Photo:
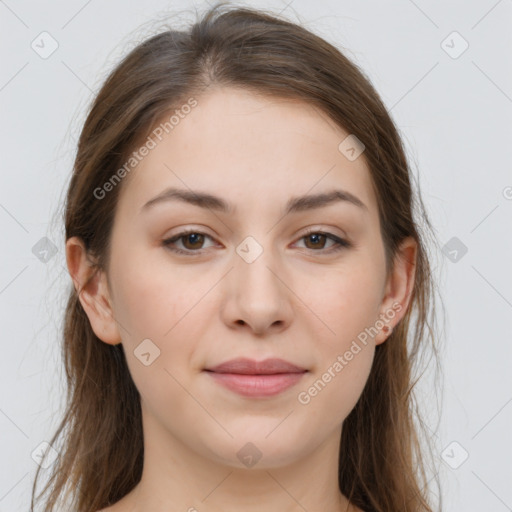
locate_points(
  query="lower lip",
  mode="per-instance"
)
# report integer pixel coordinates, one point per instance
(257, 385)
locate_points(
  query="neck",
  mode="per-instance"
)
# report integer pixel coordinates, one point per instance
(177, 476)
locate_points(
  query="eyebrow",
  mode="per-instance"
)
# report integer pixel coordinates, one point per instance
(294, 204)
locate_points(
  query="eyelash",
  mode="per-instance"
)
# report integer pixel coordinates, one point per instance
(340, 242)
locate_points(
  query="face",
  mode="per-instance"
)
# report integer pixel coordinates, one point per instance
(256, 280)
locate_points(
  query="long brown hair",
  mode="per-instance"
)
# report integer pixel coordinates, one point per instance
(382, 463)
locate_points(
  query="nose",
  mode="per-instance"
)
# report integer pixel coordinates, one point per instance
(257, 296)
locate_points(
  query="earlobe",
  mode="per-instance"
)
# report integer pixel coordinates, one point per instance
(398, 288)
(91, 285)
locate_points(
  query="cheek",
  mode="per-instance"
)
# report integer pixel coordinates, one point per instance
(153, 303)
(142, 305)
(347, 301)
(148, 299)
(338, 388)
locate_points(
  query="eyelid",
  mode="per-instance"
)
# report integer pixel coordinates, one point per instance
(325, 231)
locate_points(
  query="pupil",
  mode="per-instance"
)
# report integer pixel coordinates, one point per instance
(315, 238)
(194, 237)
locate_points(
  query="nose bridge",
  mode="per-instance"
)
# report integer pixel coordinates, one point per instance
(258, 296)
(256, 266)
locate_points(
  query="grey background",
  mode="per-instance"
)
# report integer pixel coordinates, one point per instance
(454, 112)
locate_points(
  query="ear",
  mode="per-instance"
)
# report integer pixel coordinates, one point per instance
(398, 288)
(92, 291)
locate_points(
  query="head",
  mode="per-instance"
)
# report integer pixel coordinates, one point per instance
(242, 116)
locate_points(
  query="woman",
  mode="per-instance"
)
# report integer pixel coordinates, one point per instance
(245, 262)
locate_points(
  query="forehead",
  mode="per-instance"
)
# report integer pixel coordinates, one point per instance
(248, 148)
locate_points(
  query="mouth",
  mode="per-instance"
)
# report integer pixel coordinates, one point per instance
(255, 379)
(246, 366)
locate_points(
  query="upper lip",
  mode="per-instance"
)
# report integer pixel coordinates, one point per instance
(251, 367)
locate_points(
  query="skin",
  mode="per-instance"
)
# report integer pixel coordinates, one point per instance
(297, 301)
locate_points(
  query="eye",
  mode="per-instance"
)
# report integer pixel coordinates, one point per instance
(317, 241)
(192, 241)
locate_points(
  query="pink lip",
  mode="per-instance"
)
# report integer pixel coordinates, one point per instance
(246, 366)
(256, 379)
(257, 385)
